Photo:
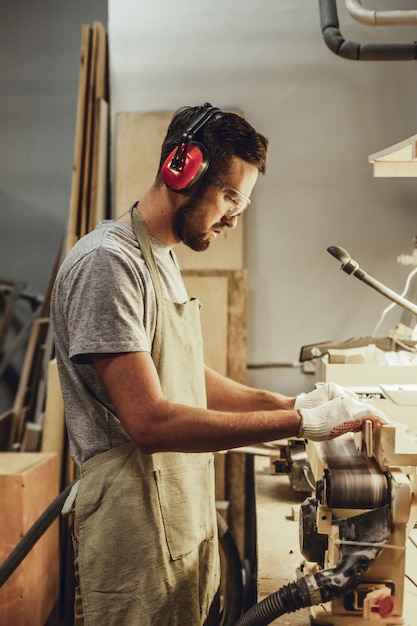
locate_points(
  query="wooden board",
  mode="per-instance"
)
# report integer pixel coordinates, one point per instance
(25, 400)
(223, 314)
(138, 143)
(397, 160)
(89, 180)
(28, 484)
(223, 294)
(53, 439)
(99, 174)
(212, 292)
(77, 170)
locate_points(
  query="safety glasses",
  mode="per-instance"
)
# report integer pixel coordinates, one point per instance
(235, 201)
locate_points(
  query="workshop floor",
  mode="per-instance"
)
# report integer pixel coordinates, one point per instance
(278, 544)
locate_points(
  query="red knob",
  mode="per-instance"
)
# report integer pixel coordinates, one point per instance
(385, 606)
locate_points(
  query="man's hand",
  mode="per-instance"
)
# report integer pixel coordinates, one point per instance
(336, 417)
(321, 394)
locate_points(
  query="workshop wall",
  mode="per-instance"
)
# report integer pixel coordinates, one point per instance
(323, 115)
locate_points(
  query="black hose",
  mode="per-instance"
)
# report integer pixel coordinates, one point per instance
(370, 529)
(311, 590)
(234, 582)
(34, 533)
(354, 50)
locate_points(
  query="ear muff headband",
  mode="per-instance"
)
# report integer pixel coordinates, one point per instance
(186, 164)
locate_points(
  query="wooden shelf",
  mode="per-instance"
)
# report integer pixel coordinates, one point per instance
(398, 160)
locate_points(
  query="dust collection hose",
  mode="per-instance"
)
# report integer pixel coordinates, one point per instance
(34, 533)
(362, 538)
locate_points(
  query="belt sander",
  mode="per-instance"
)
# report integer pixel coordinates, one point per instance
(356, 526)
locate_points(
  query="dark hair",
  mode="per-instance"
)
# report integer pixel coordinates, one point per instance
(224, 137)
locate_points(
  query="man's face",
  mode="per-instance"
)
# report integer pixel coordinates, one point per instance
(202, 218)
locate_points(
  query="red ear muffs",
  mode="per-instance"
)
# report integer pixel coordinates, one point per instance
(180, 174)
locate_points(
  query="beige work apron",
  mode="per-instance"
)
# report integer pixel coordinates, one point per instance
(148, 551)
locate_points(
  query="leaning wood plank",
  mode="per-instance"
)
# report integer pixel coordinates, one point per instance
(23, 399)
(83, 219)
(212, 292)
(99, 177)
(230, 323)
(77, 171)
(138, 142)
(53, 437)
(101, 78)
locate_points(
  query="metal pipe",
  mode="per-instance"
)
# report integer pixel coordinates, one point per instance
(355, 51)
(380, 18)
(352, 267)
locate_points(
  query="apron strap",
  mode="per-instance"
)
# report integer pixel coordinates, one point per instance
(142, 235)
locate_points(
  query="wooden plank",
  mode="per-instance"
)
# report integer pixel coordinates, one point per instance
(407, 169)
(223, 294)
(212, 292)
(101, 77)
(138, 143)
(235, 334)
(83, 213)
(99, 174)
(53, 439)
(77, 171)
(24, 401)
(97, 192)
(139, 137)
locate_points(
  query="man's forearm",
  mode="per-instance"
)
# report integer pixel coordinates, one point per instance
(224, 394)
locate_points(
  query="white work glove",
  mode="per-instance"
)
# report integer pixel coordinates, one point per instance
(322, 393)
(337, 417)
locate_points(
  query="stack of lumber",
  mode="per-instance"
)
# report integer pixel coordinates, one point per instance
(89, 191)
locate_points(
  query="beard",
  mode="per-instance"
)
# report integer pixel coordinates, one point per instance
(187, 226)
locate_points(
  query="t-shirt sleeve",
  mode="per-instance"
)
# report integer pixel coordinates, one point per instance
(105, 310)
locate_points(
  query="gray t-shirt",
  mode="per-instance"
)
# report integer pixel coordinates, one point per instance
(103, 301)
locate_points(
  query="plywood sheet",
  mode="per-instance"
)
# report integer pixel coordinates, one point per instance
(212, 291)
(232, 331)
(138, 142)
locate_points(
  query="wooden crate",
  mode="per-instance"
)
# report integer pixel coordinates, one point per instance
(29, 482)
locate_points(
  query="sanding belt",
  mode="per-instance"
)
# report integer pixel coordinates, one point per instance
(353, 481)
